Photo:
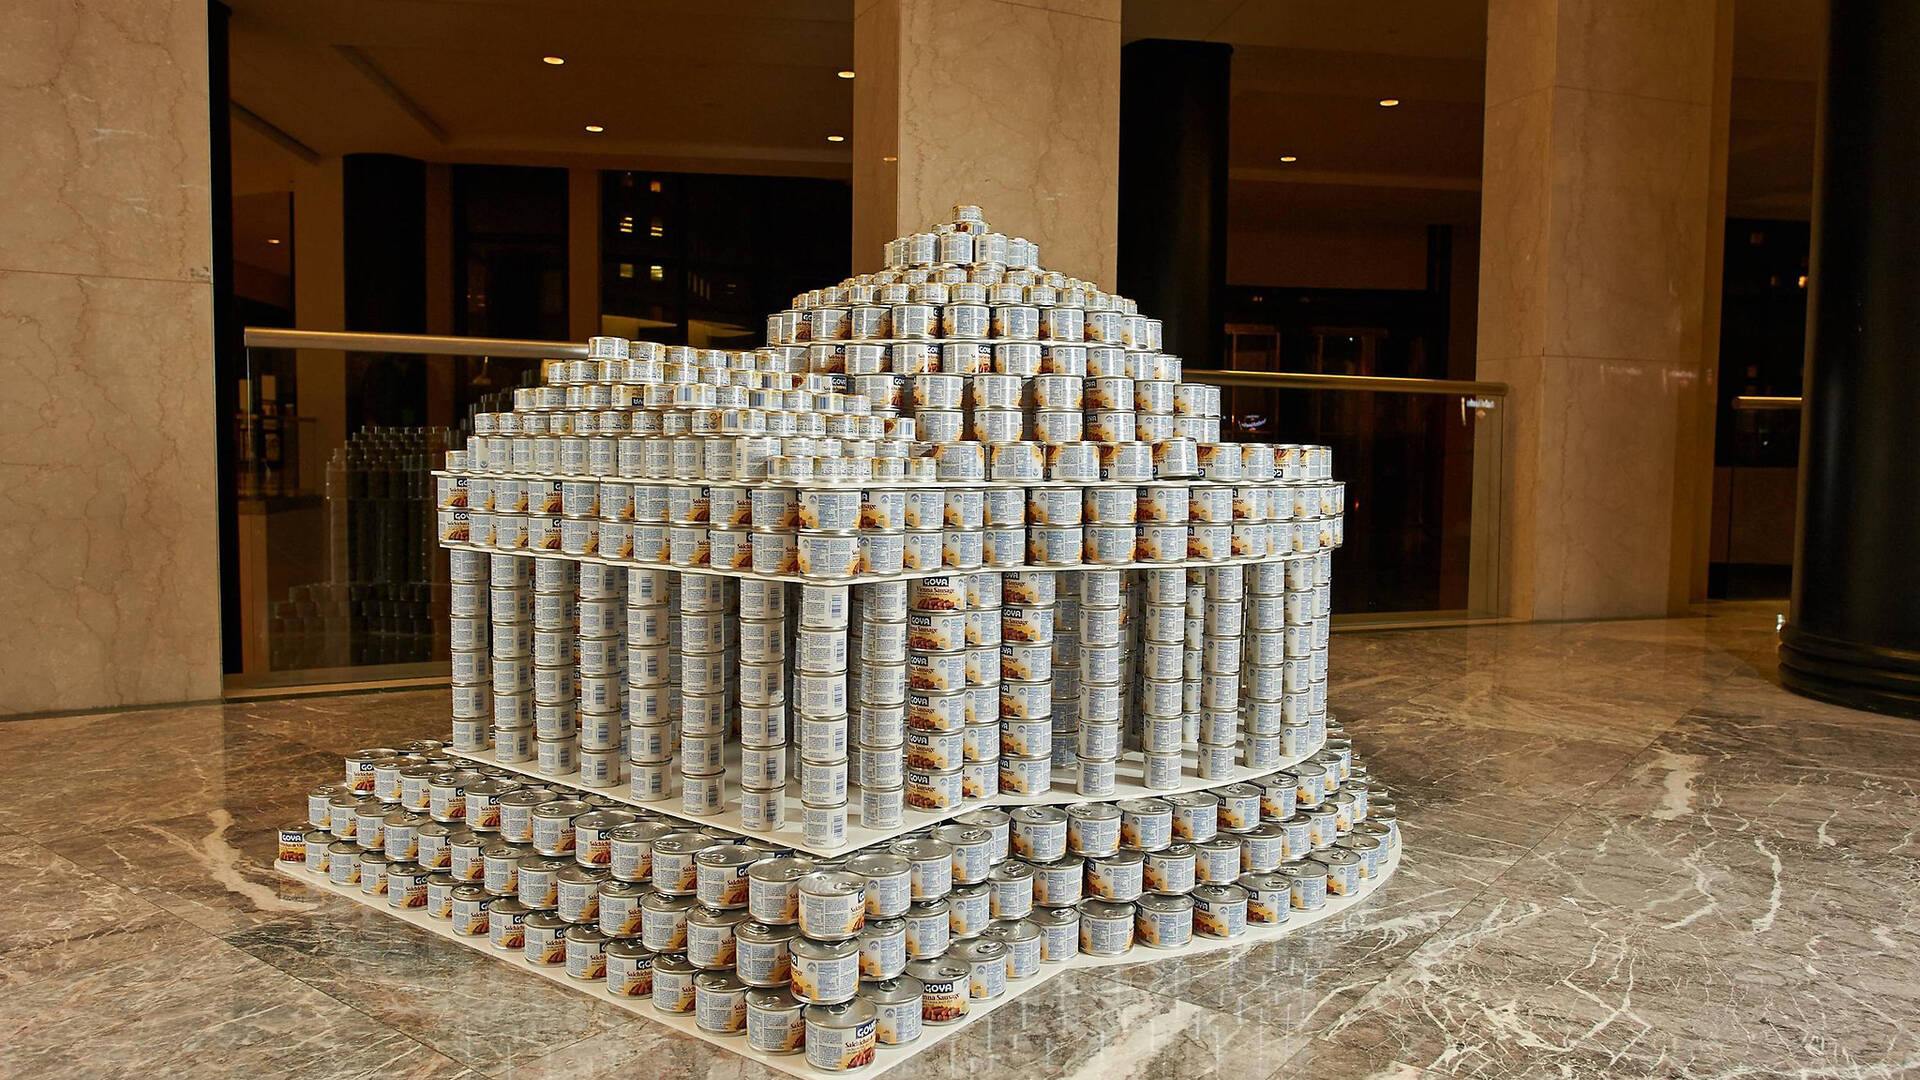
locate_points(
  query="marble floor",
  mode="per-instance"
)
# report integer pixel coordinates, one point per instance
(1628, 854)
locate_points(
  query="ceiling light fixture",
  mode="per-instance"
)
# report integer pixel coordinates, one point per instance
(595, 128)
(1288, 159)
(836, 138)
(844, 74)
(1389, 102)
(556, 61)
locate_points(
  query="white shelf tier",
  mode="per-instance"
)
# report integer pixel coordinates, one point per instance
(886, 1057)
(1129, 784)
(873, 579)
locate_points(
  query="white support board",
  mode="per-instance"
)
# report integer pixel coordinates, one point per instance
(886, 1057)
(1129, 784)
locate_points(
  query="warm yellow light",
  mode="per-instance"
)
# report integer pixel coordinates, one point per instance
(1288, 159)
(595, 128)
(836, 138)
(1389, 102)
(556, 61)
(272, 240)
(845, 74)
(890, 157)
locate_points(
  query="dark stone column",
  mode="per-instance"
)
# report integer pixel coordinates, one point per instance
(1173, 190)
(1854, 634)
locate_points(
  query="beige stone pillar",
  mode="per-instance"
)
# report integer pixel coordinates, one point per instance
(1014, 106)
(1596, 216)
(111, 594)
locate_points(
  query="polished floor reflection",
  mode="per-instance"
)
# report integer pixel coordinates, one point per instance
(1628, 853)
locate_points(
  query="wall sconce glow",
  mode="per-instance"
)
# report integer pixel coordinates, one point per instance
(556, 61)
(595, 128)
(844, 74)
(1389, 102)
(1288, 159)
(275, 240)
(836, 138)
(890, 157)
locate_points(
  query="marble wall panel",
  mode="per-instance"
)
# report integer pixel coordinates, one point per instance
(1012, 106)
(107, 436)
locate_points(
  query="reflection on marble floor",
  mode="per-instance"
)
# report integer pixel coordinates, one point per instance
(1628, 854)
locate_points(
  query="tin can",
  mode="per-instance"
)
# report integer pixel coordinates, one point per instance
(1106, 929)
(629, 969)
(762, 954)
(1307, 880)
(471, 907)
(883, 948)
(1269, 898)
(775, 1023)
(840, 1038)
(1220, 910)
(507, 925)
(1117, 877)
(673, 984)
(710, 936)
(825, 973)
(832, 905)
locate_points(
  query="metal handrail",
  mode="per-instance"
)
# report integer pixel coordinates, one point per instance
(1291, 380)
(267, 337)
(1759, 403)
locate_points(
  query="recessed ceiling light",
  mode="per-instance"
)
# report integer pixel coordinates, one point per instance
(595, 128)
(845, 74)
(836, 138)
(1389, 102)
(1288, 159)
(556, 61)
(272, 240)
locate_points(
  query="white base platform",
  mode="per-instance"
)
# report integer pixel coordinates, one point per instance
(887, 1056)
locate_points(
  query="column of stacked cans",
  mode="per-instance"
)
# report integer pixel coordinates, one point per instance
(709, 667)
(555, 671)
(821, 712)
(653, 690)
(1162, 657)
(1034, 673)
(986, 634)
(1107, 677)
(764, 677)
(602, 681)
(1219, 592)
(519, 644)
(878, 638)
(468, 648)
(940, 702)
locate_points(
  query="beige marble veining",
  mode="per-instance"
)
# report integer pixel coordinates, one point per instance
(107, 465)
(104, 103)
(107, 436)
(1012, 106)
(1595, 226)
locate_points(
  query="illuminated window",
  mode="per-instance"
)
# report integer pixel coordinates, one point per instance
(657, 272)
(626, 270)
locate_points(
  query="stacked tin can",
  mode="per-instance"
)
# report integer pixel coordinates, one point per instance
(941, 700)
(1219, 592)
(764, 677)
(835, 958)
(602, 676)
(1161, 730)
(469, 638)
(709, 669)
(1106, 679)
(821, 717)
(880, 626)
(653, 691)
(1038, 679)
